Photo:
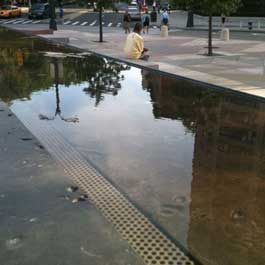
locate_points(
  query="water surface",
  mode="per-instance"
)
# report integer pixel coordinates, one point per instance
(192, 159)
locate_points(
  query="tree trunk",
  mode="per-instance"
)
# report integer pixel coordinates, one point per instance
(210, 37)
(100, 24)
(52, 15)
(190, 20)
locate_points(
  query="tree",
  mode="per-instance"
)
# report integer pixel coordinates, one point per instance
(210, 8)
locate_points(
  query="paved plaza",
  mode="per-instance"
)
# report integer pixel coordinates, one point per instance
(238, 64)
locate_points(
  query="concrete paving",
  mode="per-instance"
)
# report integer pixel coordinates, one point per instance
(39, 224)
(238, 65)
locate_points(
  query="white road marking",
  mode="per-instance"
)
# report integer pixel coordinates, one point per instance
(27, 22)
(118, 25)
(19, 21)
(9, 21)
(75, 23)
(67, 22)
(110, 24)
(84, 23)
(93, 23)
(36, 22)
(103, 23)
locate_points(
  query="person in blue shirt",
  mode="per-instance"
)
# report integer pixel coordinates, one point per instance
(164, 18)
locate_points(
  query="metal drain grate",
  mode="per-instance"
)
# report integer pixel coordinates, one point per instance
(143, 237)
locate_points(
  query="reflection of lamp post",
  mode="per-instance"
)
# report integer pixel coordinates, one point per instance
(52, 24)
(58, 111)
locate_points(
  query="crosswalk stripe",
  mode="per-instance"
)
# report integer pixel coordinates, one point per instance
(67, 22)
(36, 22)
(75, 23)
(19, 21)
(93, 23)
(10, 21)
(27, 22)
(110, 24)
(84, 23)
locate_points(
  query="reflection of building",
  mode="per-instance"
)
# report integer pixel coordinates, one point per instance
(227, 212)
(228, 189)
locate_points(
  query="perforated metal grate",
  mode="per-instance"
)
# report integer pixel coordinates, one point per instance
(143, 237)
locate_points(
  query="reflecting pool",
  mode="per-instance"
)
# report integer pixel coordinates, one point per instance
(192, 159)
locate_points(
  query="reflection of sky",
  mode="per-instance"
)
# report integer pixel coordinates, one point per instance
(150, 159)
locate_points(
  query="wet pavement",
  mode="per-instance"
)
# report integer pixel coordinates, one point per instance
(190, 158)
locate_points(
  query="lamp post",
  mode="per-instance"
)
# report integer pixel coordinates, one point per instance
(100, 21)
(52, 13)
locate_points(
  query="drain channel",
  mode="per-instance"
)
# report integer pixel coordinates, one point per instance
(143, 237)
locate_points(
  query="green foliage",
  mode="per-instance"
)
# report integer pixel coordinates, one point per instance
(209, 6)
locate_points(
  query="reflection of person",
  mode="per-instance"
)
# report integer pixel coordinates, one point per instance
(134, 46)
(126, 22)
(146, 22)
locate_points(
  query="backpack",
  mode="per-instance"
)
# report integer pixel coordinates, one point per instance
(146, 20)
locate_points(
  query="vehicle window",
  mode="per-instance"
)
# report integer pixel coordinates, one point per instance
(38, 6)
(5, 8)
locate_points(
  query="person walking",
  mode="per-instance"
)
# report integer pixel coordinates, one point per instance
(154, 5)
(146, 22)
(134, 45)
(126, 22)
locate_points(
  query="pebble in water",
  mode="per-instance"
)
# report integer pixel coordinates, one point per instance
(72, 189)
(14, 243)
(79, 199)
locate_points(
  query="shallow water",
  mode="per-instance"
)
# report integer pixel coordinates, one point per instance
(192, 159)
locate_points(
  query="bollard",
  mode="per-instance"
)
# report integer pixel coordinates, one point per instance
(164, 31)
(225, 34)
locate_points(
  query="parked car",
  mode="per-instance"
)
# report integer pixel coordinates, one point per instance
(39, 10)
(134, 12)
(10, 11)
(166, 6)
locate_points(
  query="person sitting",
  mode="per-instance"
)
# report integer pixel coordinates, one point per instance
(134, 45)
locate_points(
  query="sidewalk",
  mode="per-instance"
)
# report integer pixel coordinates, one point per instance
(239, 66)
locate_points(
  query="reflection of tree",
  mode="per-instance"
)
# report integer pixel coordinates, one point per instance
(105, 81)
(26, 70)
(180, 100)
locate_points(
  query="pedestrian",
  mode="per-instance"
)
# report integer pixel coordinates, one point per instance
(154, 5)
(164, 18)
(223, 20)
(61, 13)
(146, 22)
(158, 6)
(134, 45)
(126, 22)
